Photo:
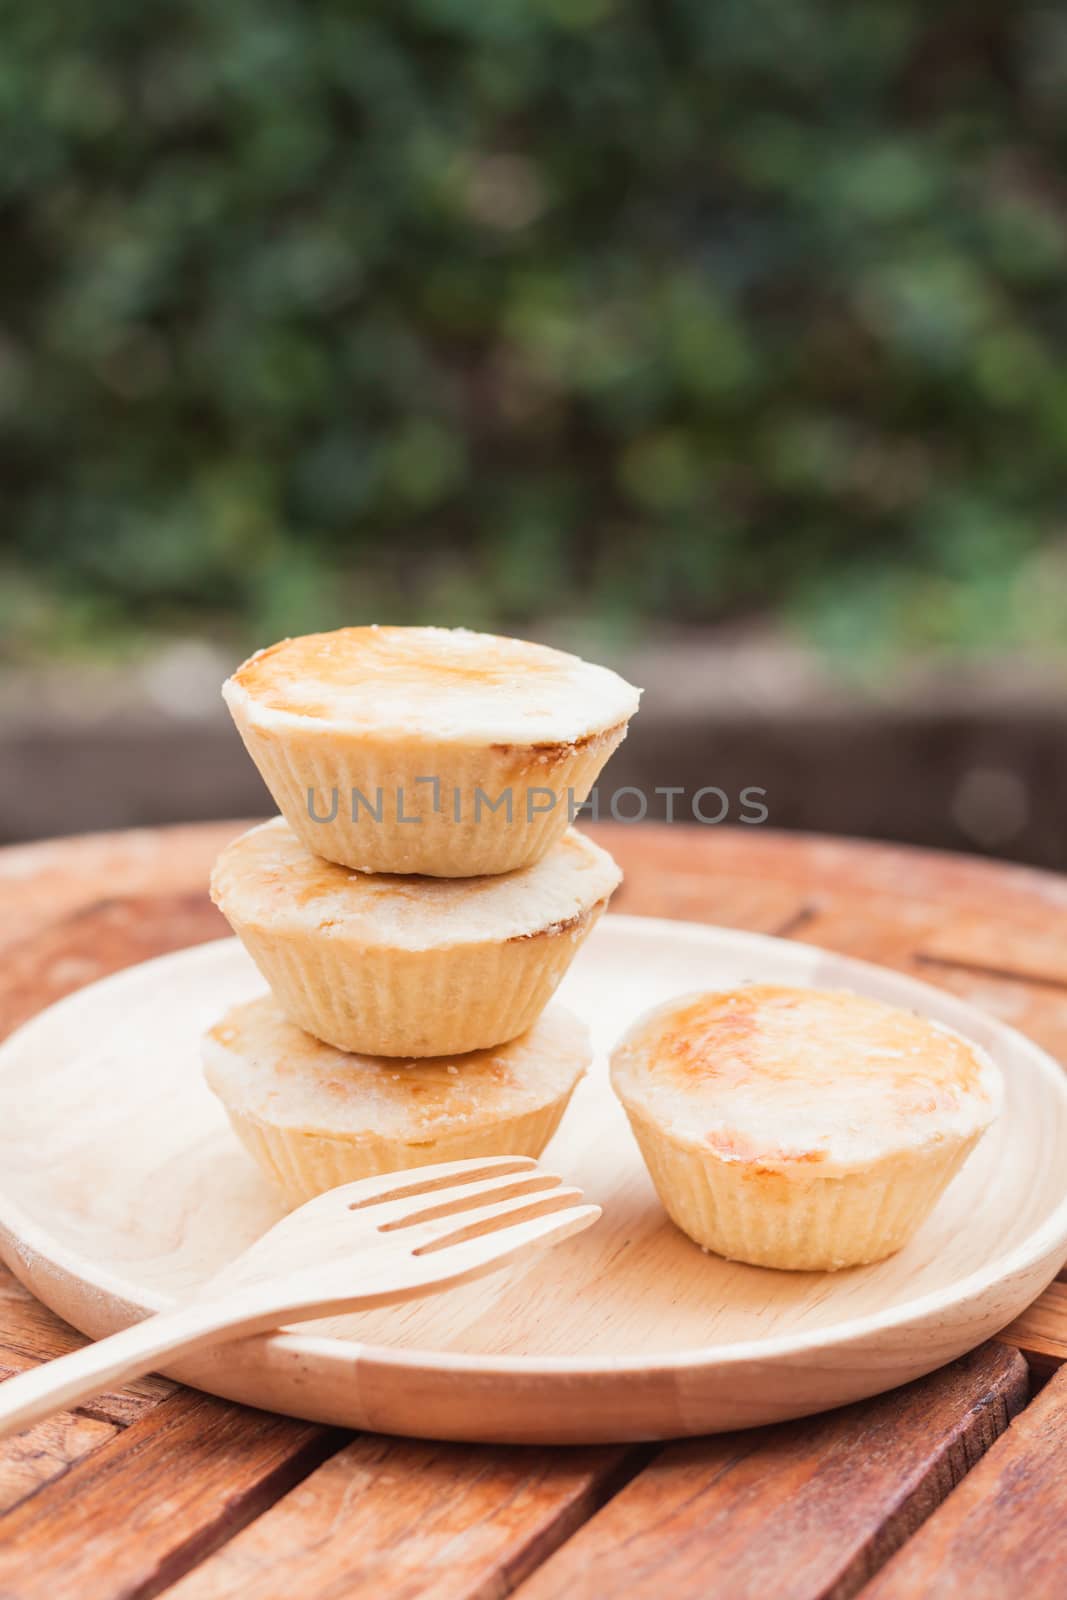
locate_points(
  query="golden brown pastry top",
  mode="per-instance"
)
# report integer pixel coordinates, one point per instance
(437, 683)
(773, 1076)
(264, 1066)
(267, 878)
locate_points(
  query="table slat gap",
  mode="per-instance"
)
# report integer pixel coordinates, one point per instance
(989, 969)
(1041, 1332)
(30, 1333)
(406, 1518)
(119, 1407)
(1002, 1531)
(804, 1511)
(796, 926)
(141, 1510)
(899, 907)
(32, 1460)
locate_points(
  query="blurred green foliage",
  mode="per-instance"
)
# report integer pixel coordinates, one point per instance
(318, 312)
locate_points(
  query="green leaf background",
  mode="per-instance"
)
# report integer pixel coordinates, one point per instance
(630, 310)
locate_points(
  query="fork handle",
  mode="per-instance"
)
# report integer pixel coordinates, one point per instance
(62, 1384)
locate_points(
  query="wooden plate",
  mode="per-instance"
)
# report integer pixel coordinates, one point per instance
(122, 1187)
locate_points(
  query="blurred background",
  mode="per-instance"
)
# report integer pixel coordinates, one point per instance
(721, 342)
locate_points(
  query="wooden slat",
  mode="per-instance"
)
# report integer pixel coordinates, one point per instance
(879, 928)
(29, 1333)
(45, 883)
(731, 900)
(812, 864)
(872, 927)
(97, 940)
(1002, 1532)
(119, 1407)
(806, 1511)
(1008, 949)
(1041, 1332)
(389, 1519)
(1039, 1012)
(45, 1452)
(143, 1506)
(134, 1515)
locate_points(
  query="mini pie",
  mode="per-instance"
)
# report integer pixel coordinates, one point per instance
(399, 966)
(429, 750)
(799, 1127)
(314, 1117)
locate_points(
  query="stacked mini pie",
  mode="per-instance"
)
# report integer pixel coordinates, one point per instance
(418, 901)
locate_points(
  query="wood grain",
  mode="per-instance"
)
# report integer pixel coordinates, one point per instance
(134, 1515)
(45, 884)
(820, 868)
(45, 1452)
(804, 1511)
(99, 939)
(1002, 1531)
(623, 1332)
(389, 1518)
(74, 909)
(1041, 1332)
(733, 900)
(1035, 953)
(880, 928)
(29, 1333)
(382, 1240)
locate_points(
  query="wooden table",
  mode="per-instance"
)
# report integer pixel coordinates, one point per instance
(952, 1486)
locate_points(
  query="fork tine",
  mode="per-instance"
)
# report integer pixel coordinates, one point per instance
(488, 1250)
(424, 1180)
(460, 1198)
(473, 1224)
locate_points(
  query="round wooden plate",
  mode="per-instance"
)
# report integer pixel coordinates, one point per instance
(122, 1188)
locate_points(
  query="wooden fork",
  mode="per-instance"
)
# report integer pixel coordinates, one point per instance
(365, 1244)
